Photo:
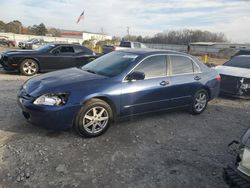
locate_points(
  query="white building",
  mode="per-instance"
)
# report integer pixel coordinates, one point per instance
(95, 36)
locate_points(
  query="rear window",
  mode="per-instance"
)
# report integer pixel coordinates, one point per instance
(67, 49)
(241, 62)
(82, 49)
(242, 52)
(182, 65)
(125, 44)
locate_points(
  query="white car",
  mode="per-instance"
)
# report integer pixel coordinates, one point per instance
(235, 76)
(238, 175)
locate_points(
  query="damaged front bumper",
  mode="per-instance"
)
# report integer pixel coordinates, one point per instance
(235, 86)
(235, 178)
(238, 175)
(4, 63)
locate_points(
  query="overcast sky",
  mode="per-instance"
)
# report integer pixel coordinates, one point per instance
(144, 17)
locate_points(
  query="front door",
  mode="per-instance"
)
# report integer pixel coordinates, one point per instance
(60, 58)
(150, 94)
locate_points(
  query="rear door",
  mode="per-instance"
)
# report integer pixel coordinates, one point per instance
(185, 77)
(150, 94)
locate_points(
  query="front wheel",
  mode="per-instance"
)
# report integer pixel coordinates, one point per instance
(94, 118)
(29, 67)
(199, 102)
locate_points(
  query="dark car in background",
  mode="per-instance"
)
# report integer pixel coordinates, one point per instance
(242, 52)
(5, 41)
(235, 77)
(119, 84)
(46, 58)
(123, 45)
(29, 43)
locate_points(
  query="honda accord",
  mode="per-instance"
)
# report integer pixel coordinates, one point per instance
(119, 84)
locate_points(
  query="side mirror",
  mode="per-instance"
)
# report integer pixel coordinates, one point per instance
(135, 76)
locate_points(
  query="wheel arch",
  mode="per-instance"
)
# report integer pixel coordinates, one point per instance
(208, 91)
(33, 58)
(105, 99)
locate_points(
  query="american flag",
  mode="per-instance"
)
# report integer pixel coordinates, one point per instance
(80, 17)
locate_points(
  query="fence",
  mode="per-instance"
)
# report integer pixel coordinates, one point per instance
(21, 37)
(215, 50)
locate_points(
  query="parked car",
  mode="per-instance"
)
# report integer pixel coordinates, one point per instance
(6, 41)
(47, 58)
(29, 43)
(238, 175)
(119, 84)
(123, 45)
(242, 52)
(235, 76)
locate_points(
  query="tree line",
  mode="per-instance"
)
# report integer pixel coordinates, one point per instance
(17, 27)
(183, 36)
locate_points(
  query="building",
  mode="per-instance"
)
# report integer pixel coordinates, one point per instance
(84, 35)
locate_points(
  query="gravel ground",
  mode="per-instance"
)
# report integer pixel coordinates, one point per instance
(170, 149)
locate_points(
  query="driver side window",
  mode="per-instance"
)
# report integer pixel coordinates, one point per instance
(152, 67)
(66, 49)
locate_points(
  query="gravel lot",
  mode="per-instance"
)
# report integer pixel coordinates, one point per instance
(170, 149)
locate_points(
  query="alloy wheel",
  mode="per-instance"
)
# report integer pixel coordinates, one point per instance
(95, 119)
(200, 102)
(29, 67)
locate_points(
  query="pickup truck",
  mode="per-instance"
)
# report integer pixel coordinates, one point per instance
(123, 45)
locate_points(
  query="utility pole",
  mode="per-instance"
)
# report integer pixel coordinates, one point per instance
(128, 33)
(102, 32)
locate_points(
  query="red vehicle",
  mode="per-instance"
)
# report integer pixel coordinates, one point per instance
(6, 41)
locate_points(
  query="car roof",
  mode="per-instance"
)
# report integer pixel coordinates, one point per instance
(148, 51)
(58, 44)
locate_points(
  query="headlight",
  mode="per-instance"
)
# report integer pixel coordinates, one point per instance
(52, 99)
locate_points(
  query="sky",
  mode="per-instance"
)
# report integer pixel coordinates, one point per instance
(144, 17)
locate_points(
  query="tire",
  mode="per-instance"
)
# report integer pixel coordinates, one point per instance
(90, 116)
(29, 67)
(199, 102)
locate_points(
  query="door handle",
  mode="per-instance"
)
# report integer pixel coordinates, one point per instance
(197, 78)
(164, 83)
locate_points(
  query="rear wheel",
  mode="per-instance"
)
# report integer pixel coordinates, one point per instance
(29, 67)
(199, 102)
(94, 118)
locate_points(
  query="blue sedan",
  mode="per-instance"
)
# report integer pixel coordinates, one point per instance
(119, 84)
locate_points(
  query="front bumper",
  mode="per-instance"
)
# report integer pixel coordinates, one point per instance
(235, 86)
(235, 178)
(51, 117)
(6, 66)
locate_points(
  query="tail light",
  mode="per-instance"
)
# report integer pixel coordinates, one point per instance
(218, 78)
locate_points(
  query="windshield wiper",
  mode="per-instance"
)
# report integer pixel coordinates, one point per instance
(91, 71)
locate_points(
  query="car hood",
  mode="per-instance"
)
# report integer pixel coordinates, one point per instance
(17, 52)
(61, 81)
(233, 71)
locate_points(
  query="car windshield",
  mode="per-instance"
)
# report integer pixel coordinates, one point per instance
(239, 61)
(45, 48)
(110, 64)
